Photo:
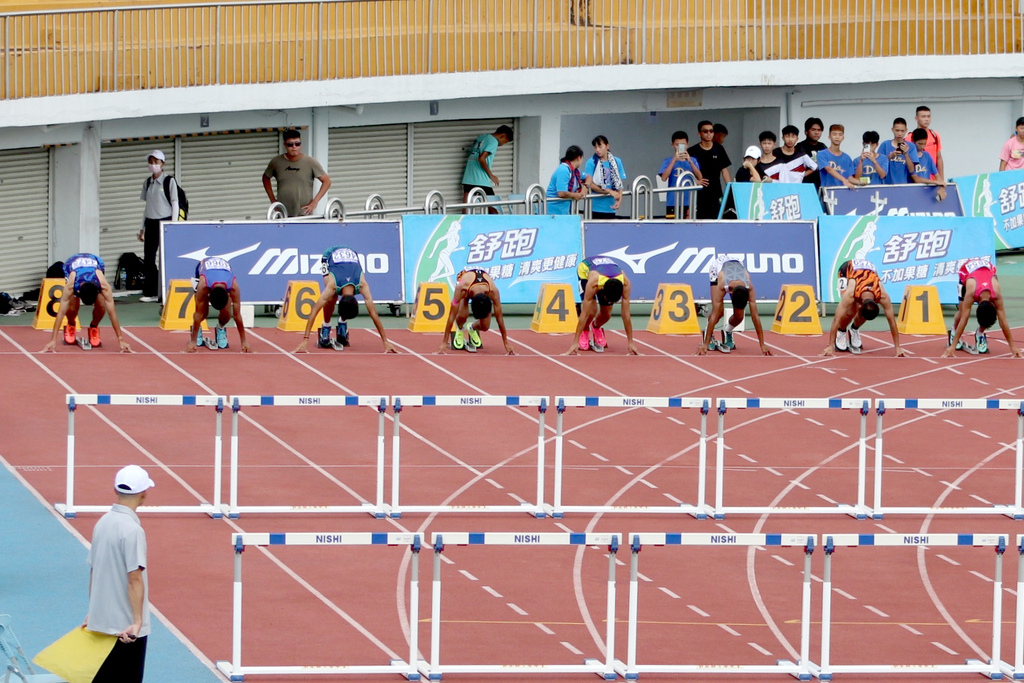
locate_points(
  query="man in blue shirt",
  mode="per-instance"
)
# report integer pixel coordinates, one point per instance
(835, 166)
(902, 156)
(926, 172)
(872, 167)
(478, 166)
(672, 171)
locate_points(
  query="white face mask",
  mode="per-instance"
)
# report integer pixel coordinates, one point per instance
(155, 168)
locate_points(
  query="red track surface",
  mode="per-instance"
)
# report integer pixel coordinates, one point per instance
(334, 606)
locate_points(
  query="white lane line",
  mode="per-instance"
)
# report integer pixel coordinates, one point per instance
(698, 610)
(760, 649)
(955, 371)
(836, 431)
(647, 484)
(981, 500)
(643, 577)
(544, 628)
(745, 391)
(853, 382)
(517, 609)
(944, 648)
(885, 528)
(494, 484)
(947, 559)
(623, 470)
(827, 499)
(955, 424)
(600, 457)
(724, 528)
(893, 458)
(773, 471)
(518, 499)
(920, 471)
(728, 629)
(814, 422)
(948, 485)
(745, 457)
(468, 575)
(678, 422)
(492, 591)
(673, 499)
(668, 593)
(446, 559)
(782, 560)
(911, 629)
(981, 576)
(982, 435)
(843, 593)
(975, 379)
(876, 611)
(568, 646)
(564, 528)
(577, 444)
(800, 484)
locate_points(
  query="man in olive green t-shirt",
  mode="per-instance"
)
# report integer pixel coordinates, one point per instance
(295, 172)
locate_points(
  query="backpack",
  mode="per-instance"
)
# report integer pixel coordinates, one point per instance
(182, 198)
(131, 273)
(55, 270)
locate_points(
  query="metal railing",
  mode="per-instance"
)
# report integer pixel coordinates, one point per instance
(63, 52)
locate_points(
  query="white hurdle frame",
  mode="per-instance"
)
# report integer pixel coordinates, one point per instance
(235, 671)
(396, 508)
(1017, 671)
(377, 402)
(69, 509)
(1014, 510)
(993, 668)
(859, 510)
(700, 510)
(802, 669)
(434, 669)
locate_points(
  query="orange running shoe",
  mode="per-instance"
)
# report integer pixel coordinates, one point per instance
(69, 334)
(94, 337)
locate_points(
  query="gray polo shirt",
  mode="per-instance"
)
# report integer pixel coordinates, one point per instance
(118, 547)
(153, 193)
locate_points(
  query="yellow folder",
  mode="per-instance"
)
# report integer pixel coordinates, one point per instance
(78, 655)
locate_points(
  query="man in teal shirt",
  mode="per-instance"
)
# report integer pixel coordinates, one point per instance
(478, 166)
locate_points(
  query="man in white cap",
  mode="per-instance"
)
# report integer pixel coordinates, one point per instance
(160, 192)
(118, 583)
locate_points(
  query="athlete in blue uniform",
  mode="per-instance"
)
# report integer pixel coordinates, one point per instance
(85, 284)
(602, 283)
(343, 279)
(216, 286)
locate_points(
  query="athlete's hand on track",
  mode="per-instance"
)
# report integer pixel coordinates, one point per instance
(573, 350)
(900, 353)
(246, 348)
(1016, 353)
(125, 348)
(389, 348)
(51, 347)
(632, 350)
(702, 350)
(509, 350)
(301, 348)
(950, 352)
(191, 346)
(443, 348)
(765, 351)
(829, 351)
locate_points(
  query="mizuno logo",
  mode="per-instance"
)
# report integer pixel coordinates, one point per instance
(638, 262)
(200, 254)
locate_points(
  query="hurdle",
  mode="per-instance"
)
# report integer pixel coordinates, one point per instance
(69, 508)
(993, 668)
(379, 403)
(434, 669)
(699, 510)
(858, 510)
(396, 508)
(1017, 671)
(235, 671)
(801, 669)
(1014, 509)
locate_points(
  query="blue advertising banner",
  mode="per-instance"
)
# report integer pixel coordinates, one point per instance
(265, 255)
(906, 250)
(892, 200)
(1000, 198)
(518, 252)
(771, 202)
(653, 252)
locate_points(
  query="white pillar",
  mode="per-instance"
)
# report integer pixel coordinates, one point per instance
(76, 196)
(538, 149)
(318, 148)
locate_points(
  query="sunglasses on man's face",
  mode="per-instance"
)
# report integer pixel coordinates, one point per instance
(293, 144)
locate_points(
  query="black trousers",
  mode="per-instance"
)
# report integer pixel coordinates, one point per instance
(126, 663)
(150, 246)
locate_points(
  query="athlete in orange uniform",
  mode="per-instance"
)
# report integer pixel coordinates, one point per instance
(979, 284)
(475, 293)
(862, 295)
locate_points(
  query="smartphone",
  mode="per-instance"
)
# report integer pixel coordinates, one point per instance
(680, 148)
(867, 147)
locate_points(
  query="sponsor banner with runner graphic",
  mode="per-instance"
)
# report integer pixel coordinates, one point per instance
(265, 255)
(906, 250)
(1000, 198)
(771, 202)
(519, 252)
(892, 200)
(652, 252)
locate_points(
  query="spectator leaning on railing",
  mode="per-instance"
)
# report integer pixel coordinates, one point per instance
(606, 175)
(566, 182)
(478, 165)
(295, 172)
(811, 145)
(835, 164)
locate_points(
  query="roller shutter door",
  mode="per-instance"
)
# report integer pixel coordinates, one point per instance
(368, 160)
(25, 228)
(122, 173)
(440, 150)
(222, 175)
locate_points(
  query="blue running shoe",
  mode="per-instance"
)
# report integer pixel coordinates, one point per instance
(343, 334)
(324, 338)
(222, 338)
(982, 342)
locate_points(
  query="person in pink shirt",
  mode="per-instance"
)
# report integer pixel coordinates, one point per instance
(1012, 156)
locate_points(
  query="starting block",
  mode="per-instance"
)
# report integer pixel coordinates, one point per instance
(431, 311)
(796, 312)
(50, 293)
(925, 318)
(556, 309)
(299, 301)
(179, 306)
(673, 311)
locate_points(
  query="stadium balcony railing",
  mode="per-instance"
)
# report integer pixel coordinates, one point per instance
(64, 47)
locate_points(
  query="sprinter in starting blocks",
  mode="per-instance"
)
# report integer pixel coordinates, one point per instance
(216, 286)
(474, 293)
(343, 279)
(602, 284)
(979, 285)
(729, 276)
(862, 296)
(86, 284)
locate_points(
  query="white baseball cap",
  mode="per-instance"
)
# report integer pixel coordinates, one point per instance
(132, 480)
(752, 152)
(157, 154)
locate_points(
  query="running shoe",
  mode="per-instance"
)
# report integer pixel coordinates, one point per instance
(149, 299)
(959, 344)
(473, 335)
(713, 344)
(324, 338)
(722, 344)
(982, 341)
(69, 334)
(342, 334)
(585, 340)
(855, 342)
(600, 341)
(841, 343)
(222, 338)
(94, 337)
(458, 341)
(728, 342)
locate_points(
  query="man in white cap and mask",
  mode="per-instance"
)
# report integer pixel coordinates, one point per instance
(160, 192)
(118, 583)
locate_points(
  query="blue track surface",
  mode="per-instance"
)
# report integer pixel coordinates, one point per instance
(44, 586)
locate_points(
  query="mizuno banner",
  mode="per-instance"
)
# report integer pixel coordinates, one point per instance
(652, 252)
(518, 252)
(906, 250)
(1000, 198)
(265, 255)
(892, 200)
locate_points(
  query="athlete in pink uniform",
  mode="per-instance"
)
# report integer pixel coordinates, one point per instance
(979, 284)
